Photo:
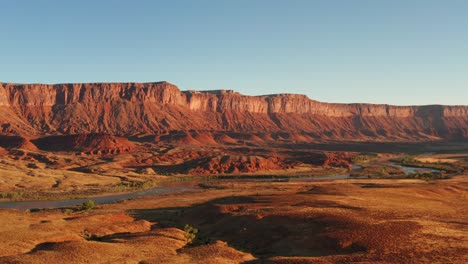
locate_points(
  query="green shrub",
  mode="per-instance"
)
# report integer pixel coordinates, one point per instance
(190, 233)
(425, 175)
(133, 185)
(408, 159)
(363, 158)
(88, 205)
(67, 211)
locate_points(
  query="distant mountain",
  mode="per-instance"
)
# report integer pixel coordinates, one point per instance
(130, 109)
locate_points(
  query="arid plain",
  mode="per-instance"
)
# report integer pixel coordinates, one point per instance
(218, 177)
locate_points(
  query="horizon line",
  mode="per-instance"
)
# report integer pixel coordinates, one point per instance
(232, 90)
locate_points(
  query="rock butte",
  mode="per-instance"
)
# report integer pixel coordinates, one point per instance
(128, 109)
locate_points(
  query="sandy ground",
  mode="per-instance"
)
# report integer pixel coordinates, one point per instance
(341, 221)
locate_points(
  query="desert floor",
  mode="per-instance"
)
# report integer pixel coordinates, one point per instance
(339, 221)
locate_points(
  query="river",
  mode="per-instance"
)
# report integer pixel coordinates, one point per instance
(168, 189)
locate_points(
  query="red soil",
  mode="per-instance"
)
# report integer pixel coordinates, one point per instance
(237, 164)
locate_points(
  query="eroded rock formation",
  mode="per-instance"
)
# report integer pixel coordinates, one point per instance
(157, 108)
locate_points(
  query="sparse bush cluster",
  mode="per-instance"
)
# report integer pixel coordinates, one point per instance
(88, 235)
(14, 195)
(408, 159)
(133, 185)
(190, 233)
(67, 211)
(426, 175)
(363, 158)
(88, 205)
(379, 171)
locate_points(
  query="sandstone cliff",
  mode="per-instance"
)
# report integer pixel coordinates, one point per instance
(158, 108)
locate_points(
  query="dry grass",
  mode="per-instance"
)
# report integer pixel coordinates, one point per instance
(340, 221)
(383, 221)
(443, 158)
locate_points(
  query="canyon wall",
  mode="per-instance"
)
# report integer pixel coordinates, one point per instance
(156, 108)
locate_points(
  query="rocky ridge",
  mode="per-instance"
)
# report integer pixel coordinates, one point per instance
(127, 109)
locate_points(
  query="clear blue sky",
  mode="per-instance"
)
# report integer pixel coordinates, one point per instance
(395, 51)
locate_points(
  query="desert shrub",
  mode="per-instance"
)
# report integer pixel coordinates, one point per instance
(378, 171)
(14, 195)
(363, 158)
(190, 233)
(67, 211)
(88, 205)
(425, 175)
(408, 159)
(133, 185)
(447, 167)
(87, 235)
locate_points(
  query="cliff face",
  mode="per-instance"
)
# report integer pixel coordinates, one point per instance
(154, 108)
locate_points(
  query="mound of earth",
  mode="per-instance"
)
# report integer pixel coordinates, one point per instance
(178, 138)
(105, 239)
(205, 138)
(319, 158)
(225, 164)
(338, 159)
(86, 143)
(3, 151)
(218, 252)
(237, 164)
(225, 139)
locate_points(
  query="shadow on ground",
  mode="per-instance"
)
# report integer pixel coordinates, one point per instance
(258, 226)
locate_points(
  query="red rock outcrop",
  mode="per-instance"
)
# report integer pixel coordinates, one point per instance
(158, 108)
(338, 159)
(229, 164)
(319, 158)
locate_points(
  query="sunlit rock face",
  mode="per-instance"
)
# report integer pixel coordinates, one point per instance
(157, 108)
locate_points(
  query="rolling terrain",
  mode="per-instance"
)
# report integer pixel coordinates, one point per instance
(262, 179)
(343, 221)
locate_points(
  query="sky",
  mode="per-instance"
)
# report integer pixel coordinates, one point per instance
(401, 52)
